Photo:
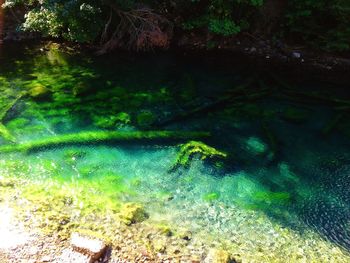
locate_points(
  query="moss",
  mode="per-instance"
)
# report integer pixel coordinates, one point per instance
(81, 88)
(164, 229)
(74, 154)
(145, 118)
(123, 118)
(211, 197)
(255, 145)
(18, 123)
(219, 256)
(131, 213)
(272, 197)
(39, 92)
(105, 136)
(60, 208)
(6, 134)
(7, 182)
(104, 122)
(192, 148)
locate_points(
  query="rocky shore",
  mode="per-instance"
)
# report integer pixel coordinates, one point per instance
(28, 234)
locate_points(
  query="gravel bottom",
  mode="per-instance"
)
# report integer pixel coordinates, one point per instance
(131, 244)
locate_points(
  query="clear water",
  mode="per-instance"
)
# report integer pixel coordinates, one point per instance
(283, 193)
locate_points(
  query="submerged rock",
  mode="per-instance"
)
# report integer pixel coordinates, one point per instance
(218, 256)
(6, 182)
(39, 92)
(132, 213)
(159, 245)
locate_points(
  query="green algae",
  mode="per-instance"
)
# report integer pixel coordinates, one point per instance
(17, 123)
(131, 213)
(145, 118)
(60, 207)
(272, 197)
(255, 145)
(192, 148)
(211, 197)
(6, 134)
(123, 118)
(39, 92)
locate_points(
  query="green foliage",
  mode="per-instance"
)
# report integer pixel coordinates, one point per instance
(73, 20)
(223, 27)
(223, 17)
(321, 23)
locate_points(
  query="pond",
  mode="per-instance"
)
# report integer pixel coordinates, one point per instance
(254, 163)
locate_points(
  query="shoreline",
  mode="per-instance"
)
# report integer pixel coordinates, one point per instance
(293, 63)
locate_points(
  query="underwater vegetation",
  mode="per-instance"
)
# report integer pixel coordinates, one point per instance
(210, 157)
(101, 137)
(195, 148)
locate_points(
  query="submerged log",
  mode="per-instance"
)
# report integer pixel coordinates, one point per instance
(84, 138)
(234, 96)
(332, 124)
(9, 106)
(300, 96)
(4, 132)
(192, 148)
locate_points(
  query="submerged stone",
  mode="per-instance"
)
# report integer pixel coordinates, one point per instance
(159, 245)
(218, 256)
(6, 182)
(131, 213)
(39, 92)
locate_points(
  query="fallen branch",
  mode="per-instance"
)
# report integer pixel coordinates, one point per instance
(4, 132)
(192, 148)
(9, 106)
(333, 123)
(293, 94)
(98, 137)
(217, 104)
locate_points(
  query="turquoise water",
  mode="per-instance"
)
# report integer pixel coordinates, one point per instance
(281, 193)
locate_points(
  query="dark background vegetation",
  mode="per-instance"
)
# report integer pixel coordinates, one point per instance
(316, 24)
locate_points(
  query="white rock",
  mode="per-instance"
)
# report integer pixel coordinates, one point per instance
(94, 248)
(296, 54)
